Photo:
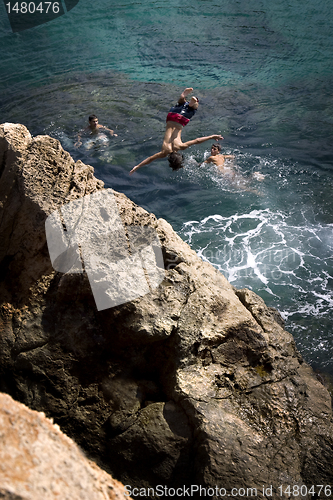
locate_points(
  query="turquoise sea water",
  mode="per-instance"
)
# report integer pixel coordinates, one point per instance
(263, 73)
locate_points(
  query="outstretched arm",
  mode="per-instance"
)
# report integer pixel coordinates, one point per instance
(199, 140)
(209, 160)
(148, 160)
(109, 130)
(79, 142)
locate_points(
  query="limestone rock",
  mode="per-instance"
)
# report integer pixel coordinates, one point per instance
(193, 383)
(38, 461)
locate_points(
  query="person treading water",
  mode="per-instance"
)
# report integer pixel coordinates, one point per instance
(177, 118)
(218, 159)
(94, 128)
(228, 171)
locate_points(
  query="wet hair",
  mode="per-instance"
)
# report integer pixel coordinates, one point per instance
(92, 117)
(217, 146)
(176, 161)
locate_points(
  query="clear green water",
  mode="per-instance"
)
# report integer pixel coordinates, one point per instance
(263, 73)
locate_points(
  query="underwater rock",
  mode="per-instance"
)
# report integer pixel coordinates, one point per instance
(193, 383)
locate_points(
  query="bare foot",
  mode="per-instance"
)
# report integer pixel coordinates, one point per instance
(186, 92)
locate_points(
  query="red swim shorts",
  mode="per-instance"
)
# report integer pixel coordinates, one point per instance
(176, 117)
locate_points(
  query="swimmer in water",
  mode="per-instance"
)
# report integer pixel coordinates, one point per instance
(94, 128)
(177, 118)
(219, 159)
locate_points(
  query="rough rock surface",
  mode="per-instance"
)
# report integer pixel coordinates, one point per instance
(193, 383)
(38, 461)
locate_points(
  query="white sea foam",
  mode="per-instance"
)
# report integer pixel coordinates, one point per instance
(264, 250)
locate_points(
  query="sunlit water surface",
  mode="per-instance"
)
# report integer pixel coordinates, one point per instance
(263, 73)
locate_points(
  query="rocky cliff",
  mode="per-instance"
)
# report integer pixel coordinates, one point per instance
(39, 462)
(193, 383)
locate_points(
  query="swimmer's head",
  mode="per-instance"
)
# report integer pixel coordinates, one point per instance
(194, 102)
(93, 120)
(176, 161)
(215, 149)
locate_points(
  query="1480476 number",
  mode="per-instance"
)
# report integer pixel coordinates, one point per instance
(32, 7)
(303, 491)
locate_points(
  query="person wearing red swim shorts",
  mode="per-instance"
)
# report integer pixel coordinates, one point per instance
(177, 118)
